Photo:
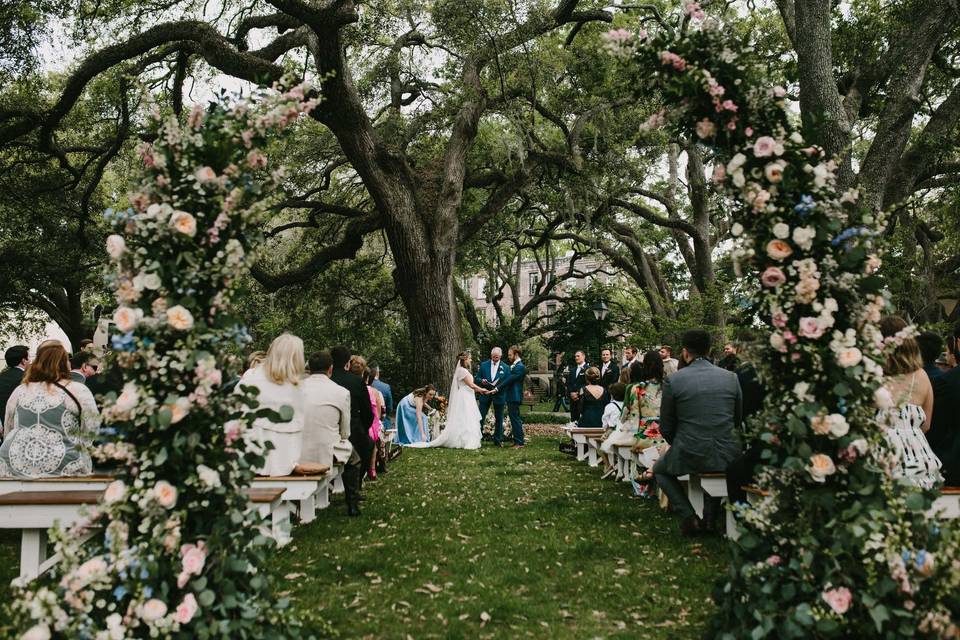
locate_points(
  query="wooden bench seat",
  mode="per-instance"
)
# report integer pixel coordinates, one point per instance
(34, 512)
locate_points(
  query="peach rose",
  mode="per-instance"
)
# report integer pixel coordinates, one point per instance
(205, 175)
(179, 410)
(180, 318)
(774, 172)
(184, 223)
(165, 493)
(849, 357)
(127, 318)
(779, 250)
(820, 425)
(186, 609)
(821, 466)
(128, 398)
(115, 492)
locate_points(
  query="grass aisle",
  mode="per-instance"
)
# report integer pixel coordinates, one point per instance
(501, 543)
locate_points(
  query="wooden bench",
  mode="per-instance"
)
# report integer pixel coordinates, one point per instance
(581, 439)
(711, 485)
(34, 512)
(947, 505)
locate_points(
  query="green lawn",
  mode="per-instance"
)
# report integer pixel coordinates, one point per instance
(501, 543)
(493, 544)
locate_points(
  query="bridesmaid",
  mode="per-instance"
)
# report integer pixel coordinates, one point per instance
(412, 428)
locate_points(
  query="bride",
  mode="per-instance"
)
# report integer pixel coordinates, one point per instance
(463, 415)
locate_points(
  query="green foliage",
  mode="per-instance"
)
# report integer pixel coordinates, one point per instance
(837, 548)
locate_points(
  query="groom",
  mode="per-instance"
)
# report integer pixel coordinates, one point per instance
(491, 374)
(513, 389)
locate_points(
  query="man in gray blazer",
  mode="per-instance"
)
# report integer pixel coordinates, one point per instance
(700, 409)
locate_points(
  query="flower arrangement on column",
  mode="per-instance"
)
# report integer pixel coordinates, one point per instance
(176, 551)
(837, 547)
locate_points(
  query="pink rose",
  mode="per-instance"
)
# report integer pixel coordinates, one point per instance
(165, 494)
(186, 609)
(764, 146)
(760, 200)
(193, 557)
(748, 131)
(729, 105)
(810, 328)
(839, 599)
(205, 175)
(772, 277)
(774, 560)
(153, 610)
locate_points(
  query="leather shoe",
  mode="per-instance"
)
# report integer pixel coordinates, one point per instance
(691, 527)
(353, 510)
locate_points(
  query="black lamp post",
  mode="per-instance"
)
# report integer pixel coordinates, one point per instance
(600, 312)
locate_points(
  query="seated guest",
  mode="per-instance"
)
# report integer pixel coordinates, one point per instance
(930, 348)
(83, 365)
(639, 422)
(18, 359)
(944, 433)
(593, 401)
(50, 421)
(699, 412)
(611, 422)
(278, 378)
(412, 427)
(326, 415)
(911, 409)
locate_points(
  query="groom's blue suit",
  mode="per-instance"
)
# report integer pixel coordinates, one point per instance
(494, 376)
(513, 389)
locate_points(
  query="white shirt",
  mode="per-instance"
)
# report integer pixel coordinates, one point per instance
(494, 370)
(611, 415)
(603, 369)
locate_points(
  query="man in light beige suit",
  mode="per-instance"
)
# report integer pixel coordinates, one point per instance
(326, 419)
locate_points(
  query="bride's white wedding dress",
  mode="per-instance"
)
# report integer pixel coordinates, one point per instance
(462, 430)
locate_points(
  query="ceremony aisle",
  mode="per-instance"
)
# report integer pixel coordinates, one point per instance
(500, 543)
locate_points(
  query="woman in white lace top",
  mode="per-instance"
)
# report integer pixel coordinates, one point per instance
(50, 421)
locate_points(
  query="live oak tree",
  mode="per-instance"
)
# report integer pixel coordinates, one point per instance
(407, 137)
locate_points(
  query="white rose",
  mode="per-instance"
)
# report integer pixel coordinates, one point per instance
(796, 138)
(208, 476)
(739, 179)
(882, 398)
(776, 341)
(152, 281)
(127, 318)
(153, 610)
(781, 230)
(115, 492)
(128, 398)
(37, 632)
(736, 230)
(154, 210)
(860, 445)
(838, 425)
(849, 357)
(803, 237)
(116, 246)
(801, 390)
(736, 162)
(830, 304)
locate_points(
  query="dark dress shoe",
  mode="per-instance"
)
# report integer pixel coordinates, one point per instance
(353, 510)
(691, 527)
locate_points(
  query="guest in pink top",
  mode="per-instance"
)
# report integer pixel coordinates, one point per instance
(358, 366)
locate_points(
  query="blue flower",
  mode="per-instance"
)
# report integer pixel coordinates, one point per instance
(842, 406)
(921, 556)
(848, 234)
(906, 556)
(805, 207)
(148, 592)
(123, 342)
(119, 593)
(144, 574)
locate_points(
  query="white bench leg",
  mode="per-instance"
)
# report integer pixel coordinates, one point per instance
(695, 494)
(308, 508)
(731, 524)
(581, 452)
(280, 523)
(593, 460)
(323, 495)
(33, 552)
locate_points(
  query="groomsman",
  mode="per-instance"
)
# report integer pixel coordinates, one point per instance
(576, 381)
(513, 388)
(631, 355)
(492, 373)
(609, 371)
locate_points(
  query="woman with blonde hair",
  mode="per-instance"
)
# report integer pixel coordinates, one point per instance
(278, 380)
(906, 400)
(50, 421)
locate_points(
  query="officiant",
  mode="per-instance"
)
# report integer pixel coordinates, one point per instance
(491, 373)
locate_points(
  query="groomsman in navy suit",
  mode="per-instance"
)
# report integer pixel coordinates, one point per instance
(491, 374)
(513, 389)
